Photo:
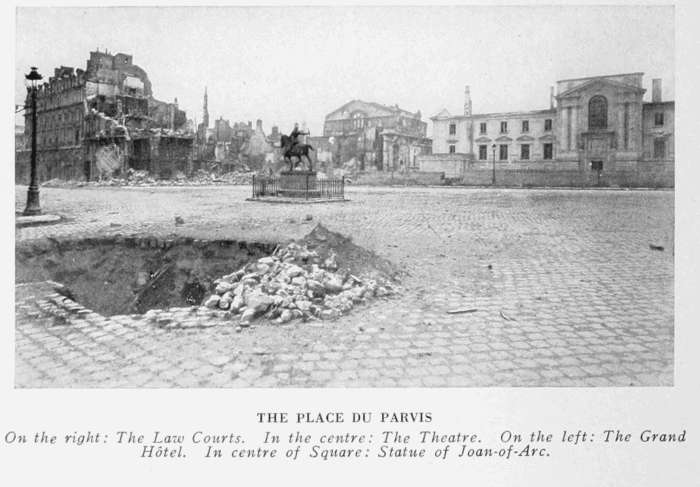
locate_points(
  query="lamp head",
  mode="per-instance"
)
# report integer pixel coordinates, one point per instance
(33, 77)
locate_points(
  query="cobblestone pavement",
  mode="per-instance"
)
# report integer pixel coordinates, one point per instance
(568, 292)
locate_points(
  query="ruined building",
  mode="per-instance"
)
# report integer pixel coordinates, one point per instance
(242, 146)
(229, 147)
(104, 120)
(373, 136)
(222, 130)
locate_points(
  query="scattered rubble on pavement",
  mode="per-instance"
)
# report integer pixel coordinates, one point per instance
(321, 277)
(143, 178)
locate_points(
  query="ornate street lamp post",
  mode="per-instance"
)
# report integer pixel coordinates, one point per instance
(493, 165)
(33, 206)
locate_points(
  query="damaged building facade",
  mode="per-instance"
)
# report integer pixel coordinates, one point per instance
(371, 136)
(242, 146)
(598, 131)
(228, 147)
(102, 121)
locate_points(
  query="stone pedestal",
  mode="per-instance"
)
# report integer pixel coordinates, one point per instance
(298, 184)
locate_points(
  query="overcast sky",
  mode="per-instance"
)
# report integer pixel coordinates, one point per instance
(298, 64)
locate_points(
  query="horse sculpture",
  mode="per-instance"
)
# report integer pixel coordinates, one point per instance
(299, 151)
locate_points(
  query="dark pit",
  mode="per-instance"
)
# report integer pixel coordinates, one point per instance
(127, 275)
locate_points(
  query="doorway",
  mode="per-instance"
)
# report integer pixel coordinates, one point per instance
(597, 167)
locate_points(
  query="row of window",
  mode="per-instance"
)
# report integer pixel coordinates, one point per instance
(45, 119)
(597, 119)
(360, 120)
(66, 136)
(547, 151)
(524, 128)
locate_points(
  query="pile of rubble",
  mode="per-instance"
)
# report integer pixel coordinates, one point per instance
(294, 282)
(235, 178)
(132, 177)
(143, 178)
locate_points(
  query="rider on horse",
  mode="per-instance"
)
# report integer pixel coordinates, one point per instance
(292, 147)
(294, 135)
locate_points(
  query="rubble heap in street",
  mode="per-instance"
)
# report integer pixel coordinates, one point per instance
(143, 178)
(295, 282)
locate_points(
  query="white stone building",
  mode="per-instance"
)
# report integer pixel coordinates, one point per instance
(600, 127)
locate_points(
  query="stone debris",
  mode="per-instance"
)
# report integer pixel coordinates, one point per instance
(291, 284)
(460, 311)
(134, 177)
(507, 317)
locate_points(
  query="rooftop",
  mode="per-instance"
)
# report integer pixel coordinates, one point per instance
(442, 116)
(599, 76)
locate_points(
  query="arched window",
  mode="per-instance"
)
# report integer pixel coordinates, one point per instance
(598, 113)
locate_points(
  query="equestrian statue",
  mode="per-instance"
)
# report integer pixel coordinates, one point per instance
(291, 147)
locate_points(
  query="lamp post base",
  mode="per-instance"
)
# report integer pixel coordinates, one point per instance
(33, 206)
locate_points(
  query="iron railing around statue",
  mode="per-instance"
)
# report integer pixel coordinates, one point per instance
(302, 187)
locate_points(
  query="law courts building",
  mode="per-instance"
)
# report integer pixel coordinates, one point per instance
(597, 131)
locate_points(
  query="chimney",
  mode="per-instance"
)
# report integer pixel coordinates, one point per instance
(656, 90)
(467, 102)
(258, 124)
(551, 97)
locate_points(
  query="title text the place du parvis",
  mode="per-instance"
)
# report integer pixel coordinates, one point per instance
(339, 417)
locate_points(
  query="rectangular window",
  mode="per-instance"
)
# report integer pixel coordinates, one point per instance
(525, 152)
(548, 124)
(569, 110)
(452, 149)
(482, 152)
(526, 126)
(482, 128)
(659, 119)
(547, 151)
(503, 152)
(504, 127)
(453, 129)
(659, 149)
(626, 124)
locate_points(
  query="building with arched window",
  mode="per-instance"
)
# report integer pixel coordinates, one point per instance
(598, 113)
(597, 131)
(376, 136)
(605, 127)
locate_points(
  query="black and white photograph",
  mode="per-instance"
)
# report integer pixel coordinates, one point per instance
(344, 197)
